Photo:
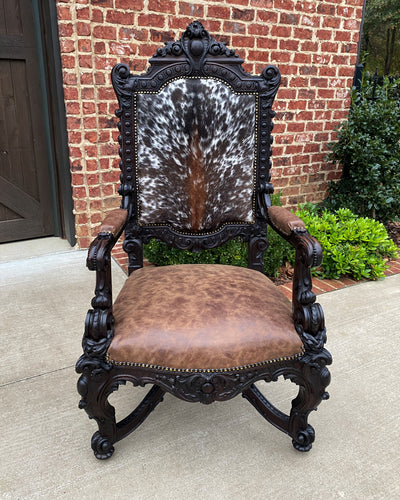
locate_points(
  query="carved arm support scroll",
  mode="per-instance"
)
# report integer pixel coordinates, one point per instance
(99, 320)
(308, 316)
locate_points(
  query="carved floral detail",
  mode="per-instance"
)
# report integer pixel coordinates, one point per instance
(123, 83)
(170, 48)
(196, 42)
(192, 242)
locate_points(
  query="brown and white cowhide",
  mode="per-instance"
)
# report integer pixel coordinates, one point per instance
(195, 155)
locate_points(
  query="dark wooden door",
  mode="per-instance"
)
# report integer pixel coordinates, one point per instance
(25, 186)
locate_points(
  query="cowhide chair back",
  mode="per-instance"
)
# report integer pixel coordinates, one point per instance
(195, 157)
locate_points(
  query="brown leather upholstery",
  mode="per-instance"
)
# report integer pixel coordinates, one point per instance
(202, 317)
(114, 221)
(284, 220)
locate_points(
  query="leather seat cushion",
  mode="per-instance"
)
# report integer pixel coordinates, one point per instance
(201, 316)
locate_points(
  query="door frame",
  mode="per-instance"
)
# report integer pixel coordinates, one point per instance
(49, 55)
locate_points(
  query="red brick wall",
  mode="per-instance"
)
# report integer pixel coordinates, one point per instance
(313, 42)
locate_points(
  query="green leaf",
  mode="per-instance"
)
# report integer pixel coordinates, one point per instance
(355, 246)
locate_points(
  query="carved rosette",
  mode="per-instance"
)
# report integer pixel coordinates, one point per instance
(205, 387)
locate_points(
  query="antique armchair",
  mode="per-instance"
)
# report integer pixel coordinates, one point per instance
(195, 137)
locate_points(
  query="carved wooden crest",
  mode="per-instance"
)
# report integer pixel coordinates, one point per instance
(196, 43)
(195, 54)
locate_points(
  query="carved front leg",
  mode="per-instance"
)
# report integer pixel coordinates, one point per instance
(313, 380)
(312, 375)
(91, 387)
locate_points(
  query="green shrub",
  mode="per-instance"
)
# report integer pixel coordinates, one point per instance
(234, 252)
(278, 253)
(352, 245)
(231, 253)
(368, 147)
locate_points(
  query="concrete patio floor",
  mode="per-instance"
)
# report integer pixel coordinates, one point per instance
(188, 451)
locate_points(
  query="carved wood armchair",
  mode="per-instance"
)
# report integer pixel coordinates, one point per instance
(195, 137)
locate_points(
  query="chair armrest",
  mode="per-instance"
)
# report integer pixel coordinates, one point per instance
(283, 221)
(99, 324)
(110, 230)
(307, 315)
(114, 222)
(293, 230)
(99, 257)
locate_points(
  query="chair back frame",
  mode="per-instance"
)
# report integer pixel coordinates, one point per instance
(195, 55)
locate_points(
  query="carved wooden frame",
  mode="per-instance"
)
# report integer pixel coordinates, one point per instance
(197, 54)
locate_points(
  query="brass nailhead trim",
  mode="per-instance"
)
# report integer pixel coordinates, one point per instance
(203, 370)
(184, 77)
(205, 233)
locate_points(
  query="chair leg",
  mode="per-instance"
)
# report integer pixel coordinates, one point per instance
(312, 390)
(102, 446)
(92, 387)
(303, 434)
(94, 401)
(312, 381)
